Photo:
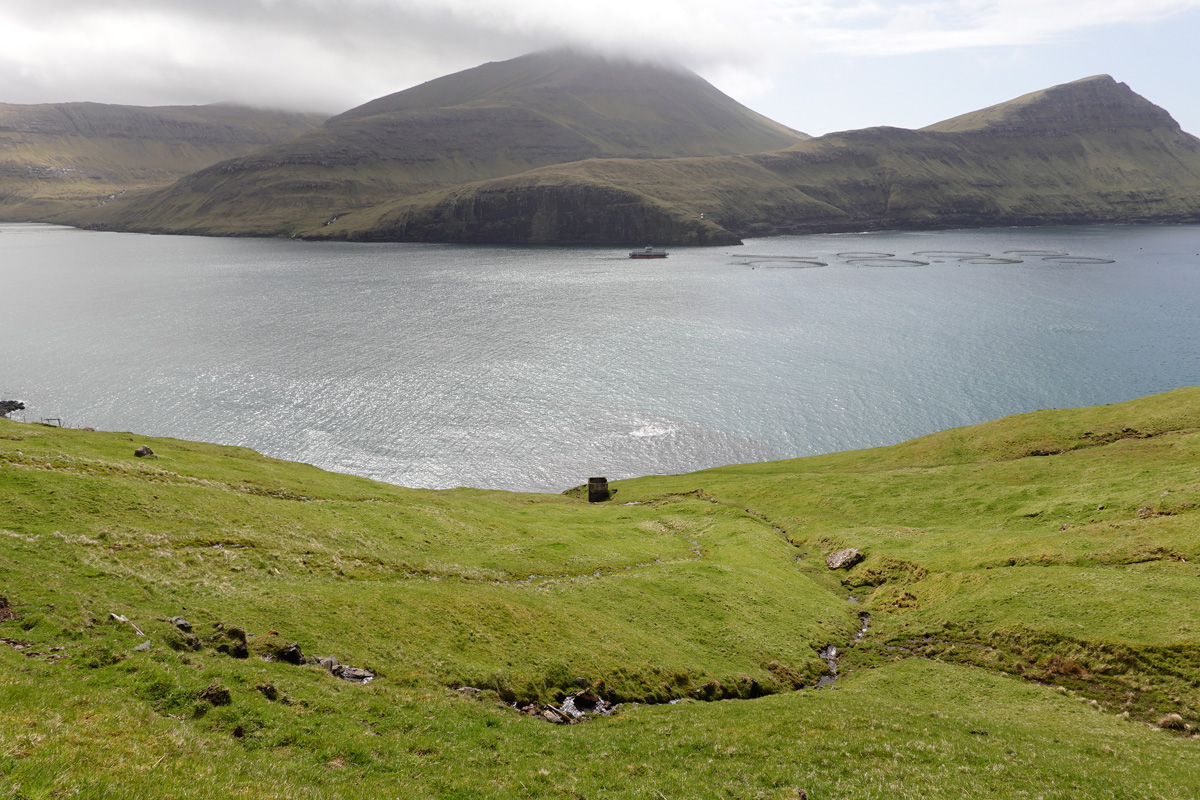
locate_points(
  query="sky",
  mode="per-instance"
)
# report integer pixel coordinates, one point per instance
(815, 65)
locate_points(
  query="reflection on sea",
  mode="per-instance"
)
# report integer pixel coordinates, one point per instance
(533, 368)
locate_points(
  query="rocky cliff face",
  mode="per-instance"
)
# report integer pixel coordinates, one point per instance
(577, 214)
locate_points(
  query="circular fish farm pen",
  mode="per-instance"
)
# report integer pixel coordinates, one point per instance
(793, 263)
(950, 254)
(1036, 253)
(865, 255)
(991, 260)
(1079, 260)
(782, 262)
(886, 262)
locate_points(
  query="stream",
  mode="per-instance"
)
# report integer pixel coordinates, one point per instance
(830, 654)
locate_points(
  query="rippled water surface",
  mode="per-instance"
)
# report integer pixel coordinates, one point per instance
(533, 368)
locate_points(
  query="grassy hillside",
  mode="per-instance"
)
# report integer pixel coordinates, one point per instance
(494, 120)
(1030, 585)
(1090, 151)
(57, 157)
(558, 148)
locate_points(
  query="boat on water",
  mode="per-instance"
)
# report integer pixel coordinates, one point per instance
(648, 252)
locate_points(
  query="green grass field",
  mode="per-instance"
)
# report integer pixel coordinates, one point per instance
(1031, 583)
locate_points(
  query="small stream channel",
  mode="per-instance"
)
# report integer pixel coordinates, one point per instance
(830, 654)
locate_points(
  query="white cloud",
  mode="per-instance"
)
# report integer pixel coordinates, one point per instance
(332, 54)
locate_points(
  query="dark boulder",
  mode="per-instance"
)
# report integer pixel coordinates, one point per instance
(292, 654)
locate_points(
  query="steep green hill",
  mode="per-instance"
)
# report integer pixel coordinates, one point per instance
(494, 120)
(1029, 582)
(1089, 151)
(559, 148)
(56, 157)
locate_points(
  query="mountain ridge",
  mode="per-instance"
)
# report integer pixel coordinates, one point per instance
(57, 157)
(487, 122)
(1053, 165)
(563, 148)
(1095, 102)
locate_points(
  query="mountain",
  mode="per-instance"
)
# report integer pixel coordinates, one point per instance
(1088, 151)
(1090, 105)
(494, 120)
(56, 157)
(563, 148)
(1018, 618)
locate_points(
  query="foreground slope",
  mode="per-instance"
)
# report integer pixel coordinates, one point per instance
(1029, 582)
(493, 120)
(56, 157)
(1089, 151)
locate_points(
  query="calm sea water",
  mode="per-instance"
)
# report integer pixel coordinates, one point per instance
(533, 368)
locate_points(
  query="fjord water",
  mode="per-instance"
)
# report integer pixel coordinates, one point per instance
(533, 368)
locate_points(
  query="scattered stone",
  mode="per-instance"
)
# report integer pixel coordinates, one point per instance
(581, 703)
(343, 671)
(235, 647)
(576, 707)
(7, 614)
(844, 559)
(144, 452)
(353, 674)
(216, 695)
(236, 650)
(268, 691)
(181, 623)
(327, 662)
(143, 647)
(292, 654)
(1145, 511)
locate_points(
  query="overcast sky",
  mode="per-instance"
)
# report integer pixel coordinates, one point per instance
(816, 65)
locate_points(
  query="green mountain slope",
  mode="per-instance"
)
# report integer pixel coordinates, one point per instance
(1029, 582)
(1089, 151)
(494, 120)
(60, 156)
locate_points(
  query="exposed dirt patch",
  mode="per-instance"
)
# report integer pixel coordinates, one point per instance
(216, 695)
(7, 612)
